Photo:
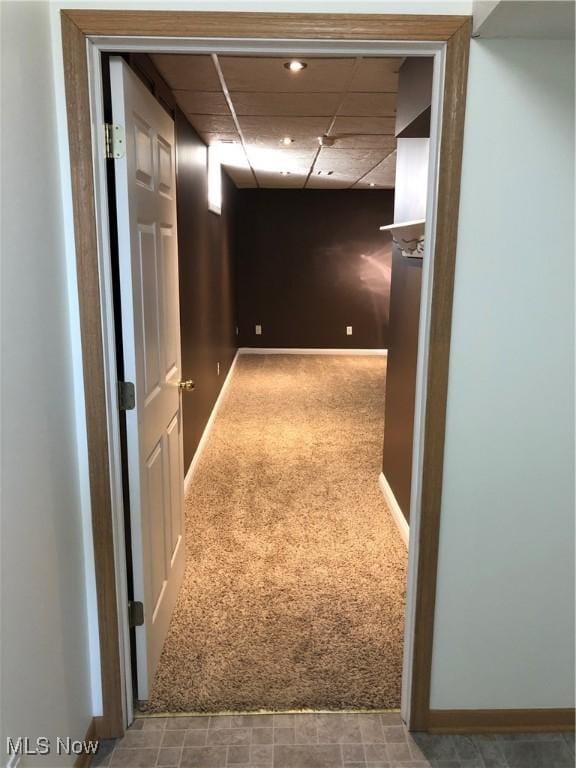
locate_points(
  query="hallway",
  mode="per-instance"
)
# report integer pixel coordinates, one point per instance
(294, 590)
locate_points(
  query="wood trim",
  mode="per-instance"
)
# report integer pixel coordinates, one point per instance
(209, 425)
(84, 759)
(76, 26)
(394, 509)
(79, 133)
(267, 25)
(500, 720)
(450, 168)
(312, 351)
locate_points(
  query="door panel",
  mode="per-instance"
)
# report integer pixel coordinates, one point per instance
(155, 491)
(174, 532)
(170, 309)
(148, 279)
(148, 266)
(165, 168)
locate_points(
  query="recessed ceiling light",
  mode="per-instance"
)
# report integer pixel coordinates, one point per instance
(284, 173)
(295, 65)
(372, 184)
(287, 140)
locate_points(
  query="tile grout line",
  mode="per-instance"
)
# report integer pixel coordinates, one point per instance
(384, 736)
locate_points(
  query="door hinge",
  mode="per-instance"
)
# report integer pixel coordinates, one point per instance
(126, 396)
(135, 614)
(114, 141)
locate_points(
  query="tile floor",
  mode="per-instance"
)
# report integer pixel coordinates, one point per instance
(322, 741)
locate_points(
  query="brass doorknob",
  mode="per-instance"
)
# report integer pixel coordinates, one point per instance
(187, 385)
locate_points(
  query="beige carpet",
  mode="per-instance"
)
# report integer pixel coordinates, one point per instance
(294, 590)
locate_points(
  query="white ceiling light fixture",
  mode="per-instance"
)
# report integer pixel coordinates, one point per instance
(295, 65)
(287, 140)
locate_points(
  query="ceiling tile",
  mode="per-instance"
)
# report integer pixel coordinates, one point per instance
(383, 175)
(277, 160)
(272, 103)
(233, 154)
(348, 161)
(364, 125)
(304, 104)
(376, 75)
(347, 166)
(269, 75)
(202, 102)
(368, 104)
(206, 124)
(235, 163)
(186, 72)
(336, 181)
(274, 181)
(221, 136)
(242, 177)
(372, 141)
(266, 130)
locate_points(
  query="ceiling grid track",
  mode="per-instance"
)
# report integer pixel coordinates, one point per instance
(343, 95)
(230, 103)
(371, 170)
(269, 118)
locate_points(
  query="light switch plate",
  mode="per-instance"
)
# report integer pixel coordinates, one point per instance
(348, 330)
(258, 330)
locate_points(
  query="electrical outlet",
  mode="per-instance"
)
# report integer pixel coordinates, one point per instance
(258, 330)
(217, 369)
(237, 332)
(348, 330)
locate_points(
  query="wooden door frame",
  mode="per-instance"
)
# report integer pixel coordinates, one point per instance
(78, 26)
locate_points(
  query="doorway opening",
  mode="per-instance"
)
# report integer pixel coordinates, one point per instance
(415, 697)
(278, 580)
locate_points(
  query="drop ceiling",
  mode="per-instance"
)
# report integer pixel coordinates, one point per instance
(249, 105)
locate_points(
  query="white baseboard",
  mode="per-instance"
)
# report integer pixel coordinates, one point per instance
(209, 425)
(395, 511)
(307, 351)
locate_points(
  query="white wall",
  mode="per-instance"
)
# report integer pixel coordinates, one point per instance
(505, 604)
(45, 686)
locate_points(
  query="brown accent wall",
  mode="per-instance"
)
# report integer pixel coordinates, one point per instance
(414, 97)
(311, 262)
(206, 265)
(207, 302)
(401, 376)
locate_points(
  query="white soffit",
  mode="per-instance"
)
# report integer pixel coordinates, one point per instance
(528, 19)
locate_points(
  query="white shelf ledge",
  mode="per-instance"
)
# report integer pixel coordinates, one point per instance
(408, 236)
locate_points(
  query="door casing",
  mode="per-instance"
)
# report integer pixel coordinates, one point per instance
(85, 33)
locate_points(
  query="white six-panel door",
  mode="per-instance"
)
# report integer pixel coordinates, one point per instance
(148, 256)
